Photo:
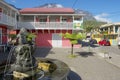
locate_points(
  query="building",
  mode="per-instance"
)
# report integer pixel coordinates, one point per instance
(49, 23)
(8, 16)
(109, 31)
(46, 23)
(112, 28)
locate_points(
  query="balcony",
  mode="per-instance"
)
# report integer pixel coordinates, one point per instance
(47, 25)
(7, 20)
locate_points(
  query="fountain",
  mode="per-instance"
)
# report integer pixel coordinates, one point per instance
(26, 67)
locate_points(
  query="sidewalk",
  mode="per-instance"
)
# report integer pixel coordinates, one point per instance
(115, 59)
(114, 56)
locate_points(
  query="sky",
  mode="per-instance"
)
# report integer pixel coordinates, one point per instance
(102, 10)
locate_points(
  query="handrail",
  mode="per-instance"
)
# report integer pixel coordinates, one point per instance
(7, 20)
(46, 25)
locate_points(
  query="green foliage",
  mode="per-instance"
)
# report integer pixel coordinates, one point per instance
(30, 36)
(89, 25)
(74, 37)
(74, 41)
(72, 56)
(12, 36)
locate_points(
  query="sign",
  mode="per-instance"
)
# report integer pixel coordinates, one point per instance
(78, 24)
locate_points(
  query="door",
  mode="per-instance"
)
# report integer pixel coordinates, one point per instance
(56, 40)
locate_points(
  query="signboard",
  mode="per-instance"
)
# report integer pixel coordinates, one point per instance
(78, 24)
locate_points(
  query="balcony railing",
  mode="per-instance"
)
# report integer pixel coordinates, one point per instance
(7, 20)
(46, 25)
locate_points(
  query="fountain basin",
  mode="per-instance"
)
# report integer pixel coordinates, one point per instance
(60, 73)
(54, 70)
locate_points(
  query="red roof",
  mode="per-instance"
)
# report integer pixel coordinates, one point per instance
(47, 10)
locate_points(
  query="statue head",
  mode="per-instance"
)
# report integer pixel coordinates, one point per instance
(22, 36)
(23, 30)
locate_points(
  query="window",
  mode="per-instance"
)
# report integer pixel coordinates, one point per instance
(28, 18)
(43, 20)
(64, 20)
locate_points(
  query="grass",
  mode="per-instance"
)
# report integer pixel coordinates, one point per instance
(72, 56)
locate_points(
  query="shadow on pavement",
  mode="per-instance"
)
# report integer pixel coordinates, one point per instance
(94, 45)
(42, 52)
(73, 76)
(85, 54)
(86, 44)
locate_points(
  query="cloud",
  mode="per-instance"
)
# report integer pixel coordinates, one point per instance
(103, 17)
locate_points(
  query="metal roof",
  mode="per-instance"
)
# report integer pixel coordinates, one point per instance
(46, 10)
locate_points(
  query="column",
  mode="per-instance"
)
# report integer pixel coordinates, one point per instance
(73, 23)
(60, 18)
(34, 20)
(60, 22)
(118, 30)
(108, 30)
(48, 20)
(73, 18)
(113, 29)
(15, 20)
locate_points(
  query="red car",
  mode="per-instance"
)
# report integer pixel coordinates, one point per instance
(104, 42)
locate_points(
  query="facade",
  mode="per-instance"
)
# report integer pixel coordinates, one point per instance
(110, 31)
(110, 28)
(49, 23)
(8, 16)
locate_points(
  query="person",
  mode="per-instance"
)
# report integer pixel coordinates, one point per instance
(118, 41)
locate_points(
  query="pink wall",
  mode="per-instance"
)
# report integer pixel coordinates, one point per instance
(4, 39)
(4, 34)
(66, 43)
(44, 40)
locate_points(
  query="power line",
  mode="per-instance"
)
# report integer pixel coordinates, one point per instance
(74, 3)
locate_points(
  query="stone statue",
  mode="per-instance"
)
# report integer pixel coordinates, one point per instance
(23, 52)
(24, 59)
(22, 36)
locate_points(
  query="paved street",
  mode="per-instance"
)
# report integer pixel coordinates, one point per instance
(113, 51)
(86, 66)
(110, 49)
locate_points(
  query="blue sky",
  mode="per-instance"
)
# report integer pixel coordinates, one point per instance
(103, 10)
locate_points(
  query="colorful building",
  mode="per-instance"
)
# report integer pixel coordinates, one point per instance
(109, 31)
(46, 23)
(49, 23)
(8, 16)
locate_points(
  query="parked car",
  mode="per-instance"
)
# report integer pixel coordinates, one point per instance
(104, 42)
(93, 41)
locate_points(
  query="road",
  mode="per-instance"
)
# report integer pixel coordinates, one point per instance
(110, 49)
(85, 66)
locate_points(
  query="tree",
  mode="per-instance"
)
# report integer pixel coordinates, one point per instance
(90, 25)
(30, 38)
(74, 37)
